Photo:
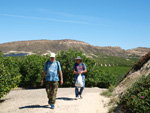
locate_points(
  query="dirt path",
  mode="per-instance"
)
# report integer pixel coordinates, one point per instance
(35, 101)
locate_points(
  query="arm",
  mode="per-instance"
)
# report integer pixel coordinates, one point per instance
(61, 77)
(60, 73)
(75, 72)
(43, 76)
(84, 71)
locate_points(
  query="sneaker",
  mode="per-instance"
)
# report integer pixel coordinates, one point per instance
(52, 106)
(81, 97)
(49, 102)
(76, 98)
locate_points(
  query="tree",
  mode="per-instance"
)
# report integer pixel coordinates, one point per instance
(31, 68)
(9, 74)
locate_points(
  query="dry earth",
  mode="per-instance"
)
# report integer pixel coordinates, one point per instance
(35, 101)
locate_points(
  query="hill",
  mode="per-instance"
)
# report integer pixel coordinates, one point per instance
(142, 67)
(132, 93)
(46, 46)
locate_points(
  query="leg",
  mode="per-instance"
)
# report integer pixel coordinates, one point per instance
(82, 88)
(48, 90)
(76, 91)
(76, 88)
(54, 92)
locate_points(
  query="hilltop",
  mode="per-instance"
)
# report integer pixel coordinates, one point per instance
(46, 46)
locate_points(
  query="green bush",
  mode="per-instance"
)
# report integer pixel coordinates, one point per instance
(9, 74)
(94, 76)
(31, 68)
(137, 98)
(67, 60)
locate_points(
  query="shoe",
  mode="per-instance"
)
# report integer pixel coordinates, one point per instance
(49, 102)
(76, 98)
(52, 106)
(81, 97)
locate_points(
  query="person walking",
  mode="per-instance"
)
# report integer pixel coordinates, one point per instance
(79, 68)
(52, 70)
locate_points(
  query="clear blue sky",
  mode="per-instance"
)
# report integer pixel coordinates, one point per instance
(124, 23)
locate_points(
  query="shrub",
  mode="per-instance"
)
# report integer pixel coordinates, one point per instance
(137, 98)
(94, 76)
(9, 74)
(67, 60)
(31, 68)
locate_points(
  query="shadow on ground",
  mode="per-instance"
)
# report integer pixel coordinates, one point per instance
(46, 106)
(2, 101)
(65, 98)
(34, 106)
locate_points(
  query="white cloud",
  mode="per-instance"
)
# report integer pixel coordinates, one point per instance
(64, 14)
(48, 19)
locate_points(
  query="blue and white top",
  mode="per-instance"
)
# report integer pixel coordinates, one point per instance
(52, 69)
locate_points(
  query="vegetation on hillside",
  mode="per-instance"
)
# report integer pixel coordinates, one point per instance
(114, 60)
(137, 98)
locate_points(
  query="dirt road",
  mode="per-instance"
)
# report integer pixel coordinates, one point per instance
(35, 101)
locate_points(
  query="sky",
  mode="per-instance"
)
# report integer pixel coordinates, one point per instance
(123, 23)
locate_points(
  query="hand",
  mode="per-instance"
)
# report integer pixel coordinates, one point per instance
(81, 72)
(61, 82)
(42, 82)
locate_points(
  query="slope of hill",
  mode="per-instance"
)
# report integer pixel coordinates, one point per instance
(142, 67)
(45, 46)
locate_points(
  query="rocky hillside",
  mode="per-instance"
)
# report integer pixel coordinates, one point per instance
(140, 51)
(46, 46)
(142, 67)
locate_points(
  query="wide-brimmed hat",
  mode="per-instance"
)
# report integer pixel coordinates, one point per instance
(78, 58)
(52, 55)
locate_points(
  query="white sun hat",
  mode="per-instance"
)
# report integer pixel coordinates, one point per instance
(52, 55)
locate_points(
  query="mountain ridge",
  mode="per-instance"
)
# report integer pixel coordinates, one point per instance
(46, 46)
